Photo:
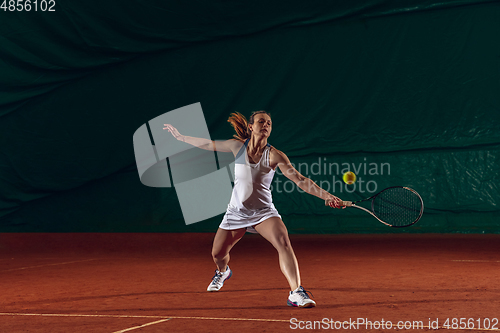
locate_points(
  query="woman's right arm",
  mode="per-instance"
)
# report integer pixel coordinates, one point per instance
(222, 146)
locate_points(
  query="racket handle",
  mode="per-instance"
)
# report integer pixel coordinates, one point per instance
(347, 203)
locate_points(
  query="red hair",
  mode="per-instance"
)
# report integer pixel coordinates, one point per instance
(240, 124)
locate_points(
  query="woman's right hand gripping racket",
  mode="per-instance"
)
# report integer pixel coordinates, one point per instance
(395, 206)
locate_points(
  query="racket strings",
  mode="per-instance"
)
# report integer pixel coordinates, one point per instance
(398, 206)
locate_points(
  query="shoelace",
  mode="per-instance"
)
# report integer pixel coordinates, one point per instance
(217, 277)
(303, 293)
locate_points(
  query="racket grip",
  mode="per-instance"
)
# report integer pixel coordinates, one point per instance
(347, 203)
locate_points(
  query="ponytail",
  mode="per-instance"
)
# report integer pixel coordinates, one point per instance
(240, 125)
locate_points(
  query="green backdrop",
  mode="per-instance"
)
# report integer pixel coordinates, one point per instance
(405, 92)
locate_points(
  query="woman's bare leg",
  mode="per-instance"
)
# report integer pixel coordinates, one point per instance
(223, 243)
(274, 230)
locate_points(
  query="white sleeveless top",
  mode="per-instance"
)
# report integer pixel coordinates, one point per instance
(251, 200)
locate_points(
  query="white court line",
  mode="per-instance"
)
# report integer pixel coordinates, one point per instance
(475, 260)
(136, 327)
(132, 316)
(165, 318)
(61, 263)
(77, 315)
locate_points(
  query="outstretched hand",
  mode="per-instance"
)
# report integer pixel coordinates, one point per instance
(173, 131)
(334, 202)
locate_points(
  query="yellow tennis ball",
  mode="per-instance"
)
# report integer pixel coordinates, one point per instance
(349, 177)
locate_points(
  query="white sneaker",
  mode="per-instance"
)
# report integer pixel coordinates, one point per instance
(219, 278)
(300, 298)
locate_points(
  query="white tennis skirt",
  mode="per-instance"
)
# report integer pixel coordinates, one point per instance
(237, 219)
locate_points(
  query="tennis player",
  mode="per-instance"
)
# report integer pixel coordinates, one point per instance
(251, 207)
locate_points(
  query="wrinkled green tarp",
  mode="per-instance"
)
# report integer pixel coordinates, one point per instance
(411, 84)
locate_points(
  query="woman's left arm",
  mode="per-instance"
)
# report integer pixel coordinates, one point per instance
(303, 182)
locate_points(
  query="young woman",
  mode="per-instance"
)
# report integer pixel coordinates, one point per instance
(251, 207)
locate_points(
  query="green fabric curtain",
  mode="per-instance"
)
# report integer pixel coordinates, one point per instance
(409, 86)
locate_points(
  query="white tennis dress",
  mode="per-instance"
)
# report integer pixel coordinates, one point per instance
(251, 200)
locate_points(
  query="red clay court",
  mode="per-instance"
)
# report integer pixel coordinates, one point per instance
(157, 283)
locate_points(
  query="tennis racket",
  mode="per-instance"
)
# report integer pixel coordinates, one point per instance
(396, 206)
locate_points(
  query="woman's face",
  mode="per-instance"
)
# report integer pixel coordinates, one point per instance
(262, 125)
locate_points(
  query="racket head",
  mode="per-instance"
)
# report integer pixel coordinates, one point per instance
(398, 206)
